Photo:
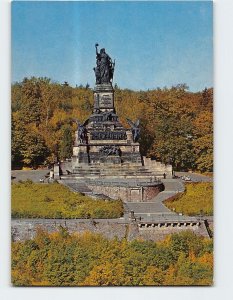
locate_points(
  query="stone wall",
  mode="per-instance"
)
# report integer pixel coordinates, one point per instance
(65, 166)
(159, 233)
(149, 193)
(158, 168)
(24, 229)
(128, 193)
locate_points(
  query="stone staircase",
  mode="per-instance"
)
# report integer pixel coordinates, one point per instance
(157, 167)
(81, 187)
(112, 171)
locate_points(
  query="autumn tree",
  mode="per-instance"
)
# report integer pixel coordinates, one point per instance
(176, 125)
(87, 259)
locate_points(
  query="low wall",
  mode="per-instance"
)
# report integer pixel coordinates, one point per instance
(159, 233)
(65, 166)
(129, 193)
(24, 229)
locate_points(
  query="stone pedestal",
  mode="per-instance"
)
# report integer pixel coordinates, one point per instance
(103, 97)
(107, 141)
(56, 171)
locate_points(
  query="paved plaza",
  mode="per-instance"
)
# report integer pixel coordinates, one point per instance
(195, 177)
(34, 175)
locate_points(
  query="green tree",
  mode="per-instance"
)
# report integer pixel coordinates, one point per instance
(61, 259)
(31, 101)
(17, 136)
(66, 144)
(34, 150)
(173, 142)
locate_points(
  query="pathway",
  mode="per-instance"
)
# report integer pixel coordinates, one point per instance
(34, 175)
(195, 177)
(156, 209)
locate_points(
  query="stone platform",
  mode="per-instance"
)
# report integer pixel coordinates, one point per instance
(126, 181)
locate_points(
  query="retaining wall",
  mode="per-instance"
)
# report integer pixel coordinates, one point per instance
(24, 229)
(129, 193)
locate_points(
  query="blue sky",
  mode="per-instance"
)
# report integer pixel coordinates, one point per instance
(155, 44)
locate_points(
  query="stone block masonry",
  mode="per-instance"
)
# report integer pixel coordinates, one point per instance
(157, 168)
(24, 229)
(127, 192)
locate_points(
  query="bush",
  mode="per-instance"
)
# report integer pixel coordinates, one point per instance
(63, 259)
(32, 200)
(198, 197)
(47, 199)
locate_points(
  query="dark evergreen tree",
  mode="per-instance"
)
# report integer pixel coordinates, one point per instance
(66, 145)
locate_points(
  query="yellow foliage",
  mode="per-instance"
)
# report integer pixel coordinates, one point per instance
(197, 197)
(55, 200)
(88, 259)
(206, 258)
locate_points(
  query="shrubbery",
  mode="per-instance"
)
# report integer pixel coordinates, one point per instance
(31, 200)
(60, 259)
(197, 198)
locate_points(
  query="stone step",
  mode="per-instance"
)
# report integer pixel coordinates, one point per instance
(81, 187)
(110, 166)
(125, 171)
(117, 169)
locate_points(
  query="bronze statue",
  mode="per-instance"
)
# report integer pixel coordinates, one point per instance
(81, 132)
(110, 150)
(135, 129)
(104, 67)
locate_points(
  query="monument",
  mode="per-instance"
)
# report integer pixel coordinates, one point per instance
(102, 138)
(105, 150)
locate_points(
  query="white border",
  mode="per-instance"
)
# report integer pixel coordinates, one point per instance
(223, 289)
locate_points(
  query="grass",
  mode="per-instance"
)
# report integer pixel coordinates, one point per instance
(196, 198)
(33, 200)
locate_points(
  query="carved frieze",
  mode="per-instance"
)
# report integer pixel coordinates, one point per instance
(108, 135)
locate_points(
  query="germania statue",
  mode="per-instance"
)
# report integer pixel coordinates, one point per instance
(104, 66)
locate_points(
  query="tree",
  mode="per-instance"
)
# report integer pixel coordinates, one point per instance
(176, 125)
(31, 101)
(62, 259)
(153, 276)
(107, 274)
(66, 144)
(203, 142)
(173, 142)
(34, 150)
(17, 135)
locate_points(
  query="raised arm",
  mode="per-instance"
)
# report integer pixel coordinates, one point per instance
(96, 50)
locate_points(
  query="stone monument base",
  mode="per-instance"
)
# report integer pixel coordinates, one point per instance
(107, 156)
